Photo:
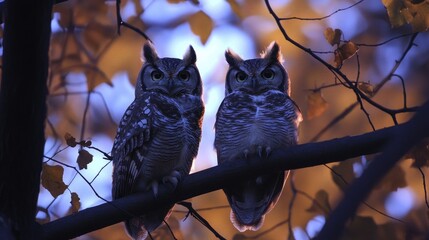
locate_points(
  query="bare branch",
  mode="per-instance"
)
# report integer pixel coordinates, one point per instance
(404, 138)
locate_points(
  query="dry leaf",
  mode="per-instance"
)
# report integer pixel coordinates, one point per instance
(75, 202)
(417, 15)
(316, 104)
(52, 179)
(84, 159)
(367, 88)
(333, 36)
(344, 52)
(320, 203)
(420, 154)
(201, 25)
(394, 8)
(70, 140)
(343, 171)
(393, 180)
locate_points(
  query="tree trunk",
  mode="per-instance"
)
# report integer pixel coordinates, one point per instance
(22, 112)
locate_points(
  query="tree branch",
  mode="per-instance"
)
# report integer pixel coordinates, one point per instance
(403, 139)
(301, 156)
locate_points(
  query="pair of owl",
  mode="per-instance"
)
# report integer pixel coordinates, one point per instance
(159, 134)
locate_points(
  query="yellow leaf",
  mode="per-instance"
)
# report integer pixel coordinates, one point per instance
(367, 88)
(75, 202)
(52, 179)
(84, 159)
(417, 15)
(394, 8)
(70, 140)
(201, 25)
(316, 104)
(235, 7)
(333, 36)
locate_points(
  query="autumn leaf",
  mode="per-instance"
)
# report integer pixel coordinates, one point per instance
(201, 25)
(84, 159)
(333, 36)
(235, 7)
(343, 173)
(417, 15)
(367, 88)
(52, 179)
(320, 203)
(70, 140)
(394, 8)
(393, 180)
(420, 154)
(344, 52)
(75, 202)
(360, 228)
(316, 104)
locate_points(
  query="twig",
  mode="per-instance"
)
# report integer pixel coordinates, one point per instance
(424, 186)
(199, 218)
(324, 17)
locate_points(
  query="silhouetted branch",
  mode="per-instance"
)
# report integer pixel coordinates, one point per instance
(199, 218)
(403, 140)
(301, 156)
(121, 22)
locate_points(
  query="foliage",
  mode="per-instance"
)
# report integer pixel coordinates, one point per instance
(91, 43)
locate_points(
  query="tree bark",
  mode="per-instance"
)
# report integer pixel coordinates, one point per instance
(23, 91)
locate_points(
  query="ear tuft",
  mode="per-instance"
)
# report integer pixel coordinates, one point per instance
(149, 53)
(190, 56)
(272, 53)
(232, 58)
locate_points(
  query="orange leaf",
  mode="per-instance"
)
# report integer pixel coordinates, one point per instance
(316, 104)
(333, 36)
(70, 140)
(52, 179)
(394, 8)
(320, 203)
(84, 159)
(75, 203)
(201, 25)
(344, 52)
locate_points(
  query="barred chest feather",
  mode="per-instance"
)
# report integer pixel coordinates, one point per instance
(246, 121)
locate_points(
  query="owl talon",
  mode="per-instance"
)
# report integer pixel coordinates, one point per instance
(267, 151)
(154, 186)
(259, 149)
(173, 178)
(245, 153)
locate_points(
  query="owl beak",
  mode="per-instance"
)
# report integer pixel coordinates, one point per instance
(255, 83)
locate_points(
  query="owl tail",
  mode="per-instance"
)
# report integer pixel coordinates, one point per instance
(250, 201)
(139, 227)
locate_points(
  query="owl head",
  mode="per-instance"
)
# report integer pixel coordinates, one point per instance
(257, 75)
(170, 76)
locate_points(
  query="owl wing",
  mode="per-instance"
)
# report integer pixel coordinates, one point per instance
(133, 132)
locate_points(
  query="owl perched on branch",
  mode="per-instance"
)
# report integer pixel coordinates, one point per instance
(159, 134)
(256, 116)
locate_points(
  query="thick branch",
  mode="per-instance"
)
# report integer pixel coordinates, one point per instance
(305, 155)
(405, 137)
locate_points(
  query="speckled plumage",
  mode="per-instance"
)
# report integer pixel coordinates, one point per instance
(256, 116)
(159, 134)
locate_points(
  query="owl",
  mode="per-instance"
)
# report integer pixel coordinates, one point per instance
(256, 116)
(159, 134)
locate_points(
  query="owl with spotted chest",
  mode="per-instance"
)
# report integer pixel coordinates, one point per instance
(256, 116)
(159, 134)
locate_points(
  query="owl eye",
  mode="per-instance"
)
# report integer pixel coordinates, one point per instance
(184, 75)
(241, 76)
(157, 75)
(267, 74)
